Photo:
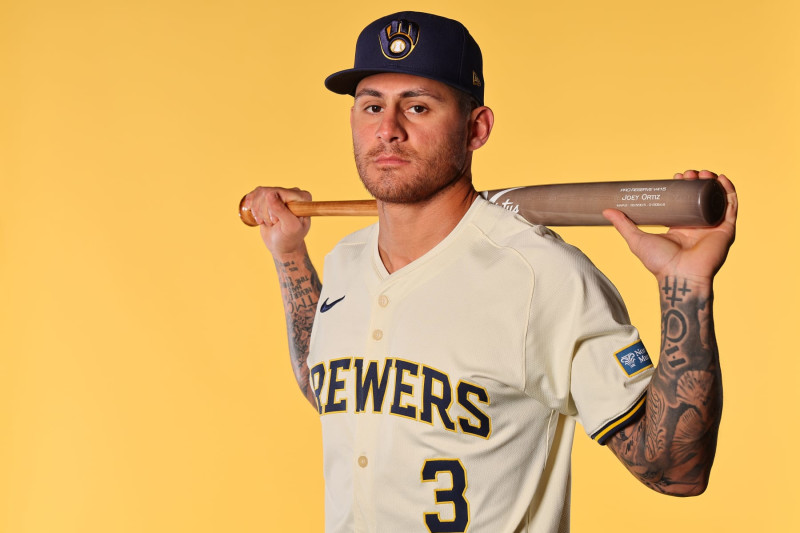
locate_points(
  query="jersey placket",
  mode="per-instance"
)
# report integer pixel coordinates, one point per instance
(366, 428)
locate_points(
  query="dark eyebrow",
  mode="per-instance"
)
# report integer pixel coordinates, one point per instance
(414, 93)
(368, 92)
(411, 93)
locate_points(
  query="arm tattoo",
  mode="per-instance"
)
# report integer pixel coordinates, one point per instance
(300, 289)
(671, 448)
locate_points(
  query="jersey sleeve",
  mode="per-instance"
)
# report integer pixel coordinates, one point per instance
(583, 357)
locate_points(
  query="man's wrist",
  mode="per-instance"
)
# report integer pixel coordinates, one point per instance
(296, 255)
(700, 285)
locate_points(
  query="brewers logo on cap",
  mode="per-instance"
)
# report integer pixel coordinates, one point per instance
(398, 39)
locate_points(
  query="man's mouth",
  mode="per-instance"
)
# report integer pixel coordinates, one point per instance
(390, 160)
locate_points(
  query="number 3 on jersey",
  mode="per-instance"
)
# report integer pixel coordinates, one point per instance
(454, 495)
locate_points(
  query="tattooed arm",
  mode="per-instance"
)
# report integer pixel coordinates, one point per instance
(300, 289)
(284, 235)
(671, 448)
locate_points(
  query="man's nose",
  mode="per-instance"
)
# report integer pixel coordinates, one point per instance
(391, 127)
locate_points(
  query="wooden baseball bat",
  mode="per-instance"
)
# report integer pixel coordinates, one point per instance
(675, 203)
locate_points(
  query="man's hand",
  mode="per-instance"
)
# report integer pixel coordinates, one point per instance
(690, 253)
(282, 232)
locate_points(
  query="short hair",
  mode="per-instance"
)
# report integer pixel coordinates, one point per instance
(466, 102)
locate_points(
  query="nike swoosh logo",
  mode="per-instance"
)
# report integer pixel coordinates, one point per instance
(327, 306)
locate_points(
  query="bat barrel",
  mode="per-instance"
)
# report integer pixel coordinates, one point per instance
(647, 202)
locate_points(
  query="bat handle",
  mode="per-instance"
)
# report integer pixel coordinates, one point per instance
(309, 209)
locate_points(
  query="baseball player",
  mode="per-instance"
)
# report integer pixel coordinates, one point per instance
(454, 346)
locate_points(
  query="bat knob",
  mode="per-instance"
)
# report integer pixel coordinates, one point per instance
(245, 214)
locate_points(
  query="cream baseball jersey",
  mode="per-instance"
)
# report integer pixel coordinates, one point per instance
(448, 391)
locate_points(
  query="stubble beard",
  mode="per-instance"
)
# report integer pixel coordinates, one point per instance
(429, 177)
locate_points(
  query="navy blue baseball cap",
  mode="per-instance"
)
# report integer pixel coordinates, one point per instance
(419, 44)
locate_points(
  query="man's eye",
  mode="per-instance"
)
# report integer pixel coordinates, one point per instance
(373, 109)
(417, 109)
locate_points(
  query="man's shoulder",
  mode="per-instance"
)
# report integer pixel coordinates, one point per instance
(359, 237)
(507, 229)
(540, 249)
(355, 243)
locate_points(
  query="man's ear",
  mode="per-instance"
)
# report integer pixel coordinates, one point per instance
(480, 127)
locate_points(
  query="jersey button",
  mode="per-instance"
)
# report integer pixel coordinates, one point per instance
(383, 300)
(377, 334)
(362, 461)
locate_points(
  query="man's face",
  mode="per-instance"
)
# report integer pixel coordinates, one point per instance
(409, 137)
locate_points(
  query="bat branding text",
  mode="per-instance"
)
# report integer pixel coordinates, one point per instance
(636, 197)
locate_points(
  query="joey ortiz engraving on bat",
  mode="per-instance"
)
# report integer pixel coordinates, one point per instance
(641, 197)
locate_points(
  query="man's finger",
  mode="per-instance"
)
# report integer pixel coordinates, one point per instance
(623, 224)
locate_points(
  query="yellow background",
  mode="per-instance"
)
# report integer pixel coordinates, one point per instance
(144, 381)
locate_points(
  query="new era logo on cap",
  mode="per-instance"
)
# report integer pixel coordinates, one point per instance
(398, 39)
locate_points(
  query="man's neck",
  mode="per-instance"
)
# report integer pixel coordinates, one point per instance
(409, 231)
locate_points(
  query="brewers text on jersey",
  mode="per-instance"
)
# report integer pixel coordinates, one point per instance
(418, 392)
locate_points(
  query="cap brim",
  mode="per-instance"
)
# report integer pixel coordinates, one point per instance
(346, 81)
